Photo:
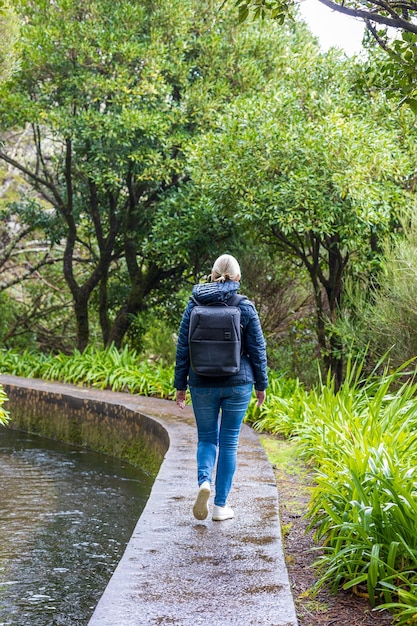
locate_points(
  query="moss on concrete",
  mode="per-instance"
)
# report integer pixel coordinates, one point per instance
(103, 427)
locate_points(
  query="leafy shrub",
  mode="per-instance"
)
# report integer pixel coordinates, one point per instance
(281, 412)
(363, 442)
(104, 369)
(381, 318)
(4, 416)
(296, 351)
(159, 342)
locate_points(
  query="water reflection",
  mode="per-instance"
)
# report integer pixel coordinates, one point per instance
(65, 518)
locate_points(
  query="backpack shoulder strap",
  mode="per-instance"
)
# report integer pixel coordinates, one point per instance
(236, 299)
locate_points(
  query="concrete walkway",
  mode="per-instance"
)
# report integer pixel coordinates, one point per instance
(177, 570)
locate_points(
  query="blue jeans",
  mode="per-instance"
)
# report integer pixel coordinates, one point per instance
(219, 413)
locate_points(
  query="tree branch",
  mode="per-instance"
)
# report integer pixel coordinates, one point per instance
(12, 244)
(28, 273)
(396, 21)
(39, 182)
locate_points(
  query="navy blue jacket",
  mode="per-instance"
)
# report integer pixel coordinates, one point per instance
(253, 361)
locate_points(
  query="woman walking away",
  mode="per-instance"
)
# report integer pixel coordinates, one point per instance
(220, 402)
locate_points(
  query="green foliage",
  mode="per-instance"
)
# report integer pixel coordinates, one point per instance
(371, 11)
(362, 442)
(321, 166)
(4, 415)
(282, 411)
(393, 69)
(103, 369)
(379, 313)
(113, 95)
(159, 342)
(259, 9)
(402, 69)
(296, 352)
(36, 314)
(9, 37)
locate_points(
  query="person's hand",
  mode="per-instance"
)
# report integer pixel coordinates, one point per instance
(180, 398)
(260, 395)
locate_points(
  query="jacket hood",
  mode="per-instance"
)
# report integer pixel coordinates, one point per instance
(215, 292)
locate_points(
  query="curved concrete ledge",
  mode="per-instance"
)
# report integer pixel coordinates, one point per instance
(176, 570)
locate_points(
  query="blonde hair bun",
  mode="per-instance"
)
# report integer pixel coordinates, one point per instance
(225, 268)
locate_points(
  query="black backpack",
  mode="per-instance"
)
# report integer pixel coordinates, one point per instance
(215, 337)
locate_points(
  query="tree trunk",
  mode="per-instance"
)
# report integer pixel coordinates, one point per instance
(334, 286)
(329, 345)
(121, 325)
(321, 321)
(334, 361)
(142, 284)
(81, 316)
(103, 310)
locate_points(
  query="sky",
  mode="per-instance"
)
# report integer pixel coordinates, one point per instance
(332, 28)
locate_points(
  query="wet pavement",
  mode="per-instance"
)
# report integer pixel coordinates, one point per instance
(181, 571)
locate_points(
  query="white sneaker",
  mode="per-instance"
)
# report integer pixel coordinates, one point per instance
(221, 513)
(200, 508)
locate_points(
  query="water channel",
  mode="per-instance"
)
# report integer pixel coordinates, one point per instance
(66, 515)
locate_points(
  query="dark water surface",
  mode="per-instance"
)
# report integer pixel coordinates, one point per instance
(66, 515)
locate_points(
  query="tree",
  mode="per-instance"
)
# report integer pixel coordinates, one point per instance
(113, 93)
(316, 172)
(398, 71)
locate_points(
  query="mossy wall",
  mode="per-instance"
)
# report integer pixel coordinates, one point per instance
(101, 426)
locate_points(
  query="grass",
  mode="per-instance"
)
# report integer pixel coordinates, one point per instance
(103, 369)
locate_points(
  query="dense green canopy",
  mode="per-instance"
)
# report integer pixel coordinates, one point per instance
(106, 100)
